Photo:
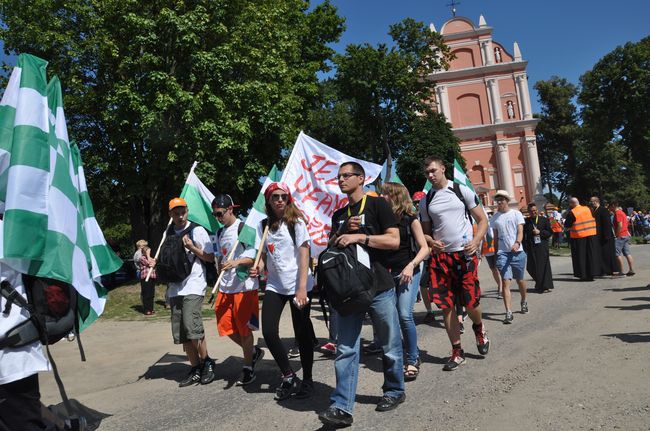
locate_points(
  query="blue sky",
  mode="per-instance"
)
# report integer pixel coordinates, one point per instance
(564, 38)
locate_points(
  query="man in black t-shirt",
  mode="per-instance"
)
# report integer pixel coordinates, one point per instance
(368, 222)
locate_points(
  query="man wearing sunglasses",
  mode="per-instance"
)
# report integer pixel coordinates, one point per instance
(368, 221)
(237, 305)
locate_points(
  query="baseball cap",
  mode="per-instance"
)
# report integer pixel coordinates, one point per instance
(223, 201)
(177, 202)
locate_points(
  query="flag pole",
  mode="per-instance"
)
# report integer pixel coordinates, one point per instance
(221, 273)
(164, 236)
(259, 251)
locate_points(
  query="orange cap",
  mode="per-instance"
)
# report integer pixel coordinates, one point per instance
(177, 202)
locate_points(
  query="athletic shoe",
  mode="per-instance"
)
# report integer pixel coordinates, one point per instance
(193, 378)
(524, 307)
(389, 403)
(456, 359)
(372, 349)
(328, 348)
(305, 390)
(207, 372)
(289, 386)
(247, 377)
(482, 340)
(508, 319)
(499, 295)
(335, 417)
(294, 352)
(461, 327)
(257, 356)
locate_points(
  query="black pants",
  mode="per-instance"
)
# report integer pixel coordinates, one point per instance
(147, 292)
(20, 406)
(302, 327)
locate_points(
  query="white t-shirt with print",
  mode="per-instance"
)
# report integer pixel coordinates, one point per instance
(446, 212)
(18, 363)
(230, 282)
(282, 258)
(505, 226)
(195, 283)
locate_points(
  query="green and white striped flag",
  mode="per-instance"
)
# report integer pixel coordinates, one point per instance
(49, 227)
(199, 202)
(248, 235)
(460, 177)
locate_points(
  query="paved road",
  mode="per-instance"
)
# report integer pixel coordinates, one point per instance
(579, 360)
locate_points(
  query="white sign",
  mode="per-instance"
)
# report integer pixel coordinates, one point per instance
(311, 174)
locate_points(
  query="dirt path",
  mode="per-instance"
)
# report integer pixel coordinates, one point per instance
(579, 361)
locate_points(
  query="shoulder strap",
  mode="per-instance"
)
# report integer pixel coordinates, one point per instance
(430, 194)
(459, 194)
(291, 227)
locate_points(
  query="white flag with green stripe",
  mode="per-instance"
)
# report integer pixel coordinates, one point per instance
(258, 212)
(199, 202)
(49, 227)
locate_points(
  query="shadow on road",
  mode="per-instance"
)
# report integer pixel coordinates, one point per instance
(629, 289)
(169, 367)
(637, 307)
(631, 337)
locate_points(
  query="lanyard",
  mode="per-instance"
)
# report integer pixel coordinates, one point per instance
(363, 205)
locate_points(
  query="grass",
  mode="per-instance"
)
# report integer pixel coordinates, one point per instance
(124, 303)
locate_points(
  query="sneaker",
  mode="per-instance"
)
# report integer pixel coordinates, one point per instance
(372, 349)
(461, 327)
(247, 377)
(482, 340)
(328, 348)
(456, 359)
(207, 372)
(524, 307)
(193, 378)
(389, 403)
(289, 386)
(499, 295)
(618, 275)
(508, 319)
(294, 352)
(305, 390)
(257, 356)
(335, 417)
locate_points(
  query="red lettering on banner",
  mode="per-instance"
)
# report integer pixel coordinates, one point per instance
(319, 232)
(311, 195)
(297, 188)
(325, 202)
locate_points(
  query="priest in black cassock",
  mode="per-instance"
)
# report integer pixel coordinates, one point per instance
(537, 231)
(605, 237)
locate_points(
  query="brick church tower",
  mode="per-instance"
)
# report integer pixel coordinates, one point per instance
(484, 95)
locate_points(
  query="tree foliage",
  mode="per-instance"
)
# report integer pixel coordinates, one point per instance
(378, 98)
(151, 86)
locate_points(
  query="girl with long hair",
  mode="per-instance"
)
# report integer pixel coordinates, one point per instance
(286, 255)
(404, 265)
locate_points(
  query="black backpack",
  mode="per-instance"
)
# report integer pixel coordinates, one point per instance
(348, 285)
(173, 266)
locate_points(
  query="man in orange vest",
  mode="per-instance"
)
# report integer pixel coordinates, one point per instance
(582, 231)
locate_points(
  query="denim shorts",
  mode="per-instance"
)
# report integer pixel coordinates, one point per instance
(511, 264)
(623, 246)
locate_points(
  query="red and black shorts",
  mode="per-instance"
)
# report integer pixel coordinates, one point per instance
(454, 280)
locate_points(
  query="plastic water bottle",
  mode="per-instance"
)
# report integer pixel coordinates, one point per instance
(467, 256)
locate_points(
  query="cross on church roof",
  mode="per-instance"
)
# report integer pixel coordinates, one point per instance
(453, 5)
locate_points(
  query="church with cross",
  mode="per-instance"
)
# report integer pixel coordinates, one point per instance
(484, 95)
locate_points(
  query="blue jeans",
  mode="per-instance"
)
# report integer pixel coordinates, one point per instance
(383, 313)
(406, 297)
(334, 325)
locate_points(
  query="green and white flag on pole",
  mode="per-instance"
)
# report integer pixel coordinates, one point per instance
(248, 235)
(49, 228)
(199, 202)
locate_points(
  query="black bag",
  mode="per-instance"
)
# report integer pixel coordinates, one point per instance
(173, 265)
(348, 285)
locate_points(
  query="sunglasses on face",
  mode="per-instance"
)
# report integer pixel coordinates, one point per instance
(347, 175)
(282, 197)
(219, 214)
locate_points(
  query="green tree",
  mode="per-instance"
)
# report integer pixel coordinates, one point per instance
(615, 95)
(378, 94)
(558, 132)
(151, 86)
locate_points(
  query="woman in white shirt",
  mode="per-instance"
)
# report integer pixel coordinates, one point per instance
(286, 255)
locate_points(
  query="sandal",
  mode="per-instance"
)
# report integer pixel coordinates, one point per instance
(411, 372)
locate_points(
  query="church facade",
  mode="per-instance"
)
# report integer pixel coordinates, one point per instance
(484, 95)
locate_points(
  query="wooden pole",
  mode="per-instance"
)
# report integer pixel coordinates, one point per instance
(160, 246)
(259, 252)
(230, 256)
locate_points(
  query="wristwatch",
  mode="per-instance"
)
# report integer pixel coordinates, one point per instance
(367, 240)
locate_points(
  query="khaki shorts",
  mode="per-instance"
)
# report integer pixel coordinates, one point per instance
(187, 322)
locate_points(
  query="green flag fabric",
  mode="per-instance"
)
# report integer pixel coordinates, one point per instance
(49, 226)
(248, 235)
(199, 202)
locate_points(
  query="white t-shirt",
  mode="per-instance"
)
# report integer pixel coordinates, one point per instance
(17, 363)
(230, 282)
(447, 214)
(505, 226)
(282, 258)
(195, 283)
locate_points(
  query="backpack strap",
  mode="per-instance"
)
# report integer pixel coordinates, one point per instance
(459, 194)
(291, 227)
